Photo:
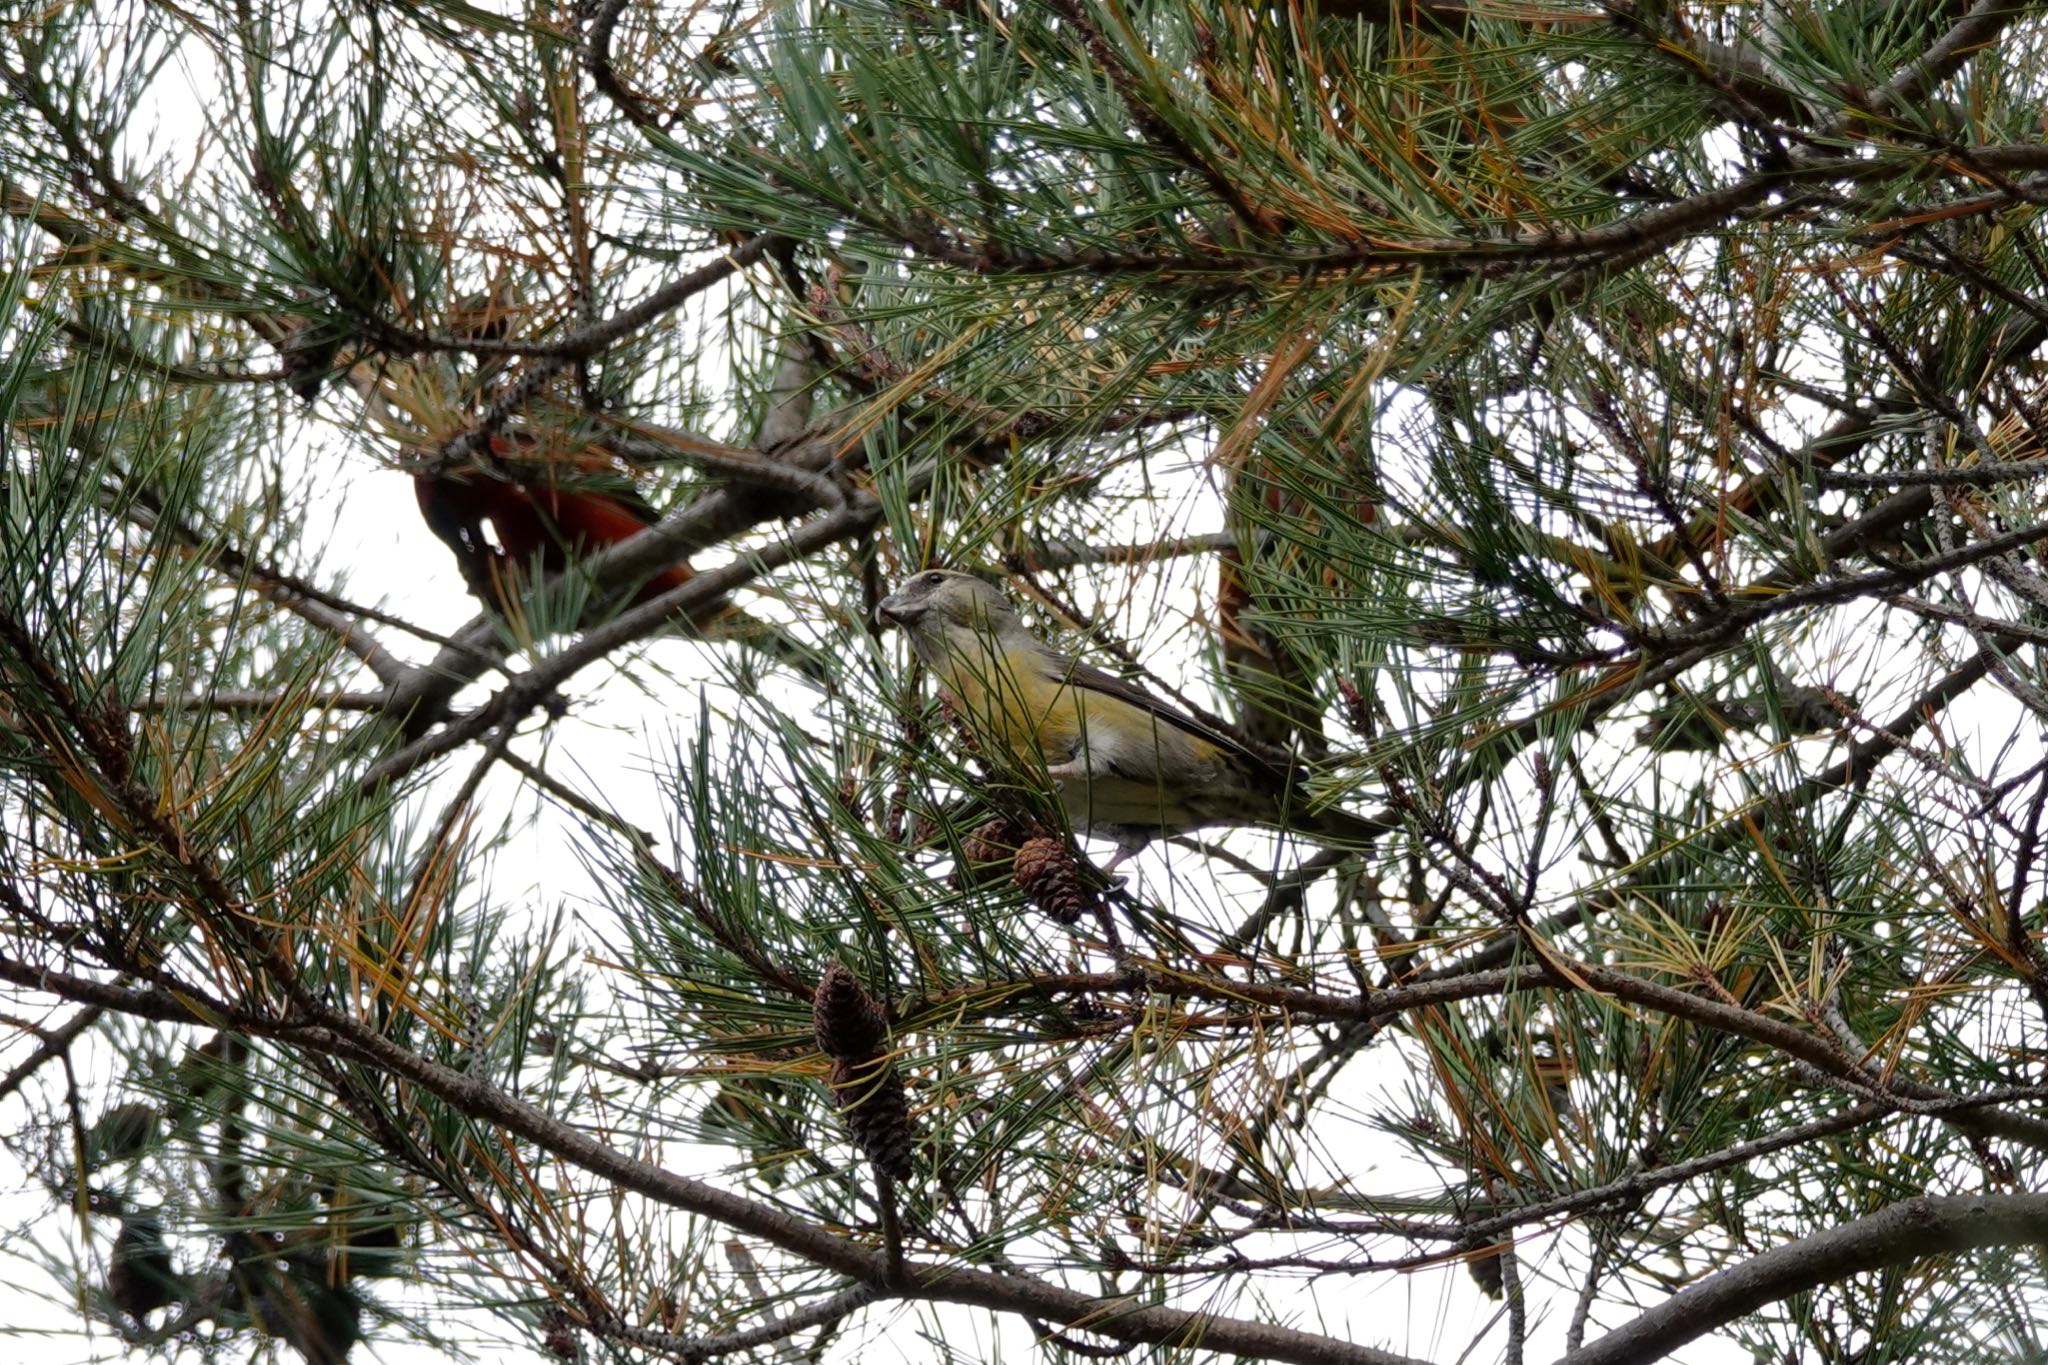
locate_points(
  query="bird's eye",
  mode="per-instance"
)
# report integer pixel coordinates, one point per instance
(932, 580)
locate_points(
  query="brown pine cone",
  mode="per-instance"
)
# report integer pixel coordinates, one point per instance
(559, 1335)
(140, 1276)
(877, 1112)
(969, 745)
(1049, 875)
(848, 796)
(1488, 1273)
(994, 842)
(847, 1021)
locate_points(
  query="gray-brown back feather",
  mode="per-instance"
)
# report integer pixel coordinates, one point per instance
(1067, 669)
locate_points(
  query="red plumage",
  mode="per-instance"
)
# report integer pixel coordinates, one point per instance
(537, 522)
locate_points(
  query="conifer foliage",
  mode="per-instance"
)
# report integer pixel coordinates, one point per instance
(1593, 441)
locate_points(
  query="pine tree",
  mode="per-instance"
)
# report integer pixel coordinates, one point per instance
(1593, 442)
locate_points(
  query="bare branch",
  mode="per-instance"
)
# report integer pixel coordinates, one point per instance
(1901, 1234)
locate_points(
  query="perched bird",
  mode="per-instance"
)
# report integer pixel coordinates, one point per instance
(549, 516)
(1125, 765)
(540, 521)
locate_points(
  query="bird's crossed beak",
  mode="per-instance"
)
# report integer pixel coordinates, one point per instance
(893, 610)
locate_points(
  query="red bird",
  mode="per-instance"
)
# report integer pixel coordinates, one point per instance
(537, 522)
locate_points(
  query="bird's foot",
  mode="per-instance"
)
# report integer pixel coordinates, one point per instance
(1108, 869)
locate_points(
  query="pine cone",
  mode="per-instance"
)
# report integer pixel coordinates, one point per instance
(1488, 1274)
(848, 1023)
(994, 842)
(1049, 875)
(298, 1305)
(558, 1337)
(307, 352)
(877, 1112)
(123, 1133)
(848, 797)
(140, 1276)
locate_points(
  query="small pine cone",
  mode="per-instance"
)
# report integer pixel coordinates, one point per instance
(994, 842)
(877, 1111)
(123, 1133)
(558, 1335)
(307, 353)
(1488, 1274)
(140, 1276)
(1357, 713)
(1049, 875)
(848, 797)
(847, 1021)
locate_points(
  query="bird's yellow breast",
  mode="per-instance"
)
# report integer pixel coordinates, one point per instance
(1009, 703)
(1012, 701)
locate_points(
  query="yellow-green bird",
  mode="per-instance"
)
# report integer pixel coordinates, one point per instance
(1125, 764)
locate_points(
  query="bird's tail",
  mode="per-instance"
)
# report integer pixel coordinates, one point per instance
(1341, 829)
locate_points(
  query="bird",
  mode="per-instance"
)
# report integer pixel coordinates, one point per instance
(550, 514)
(1125, 764)
(541, 520)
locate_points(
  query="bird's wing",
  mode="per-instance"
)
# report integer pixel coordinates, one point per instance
(1061, 669)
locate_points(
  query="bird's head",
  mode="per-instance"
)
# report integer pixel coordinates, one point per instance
(938, 600)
